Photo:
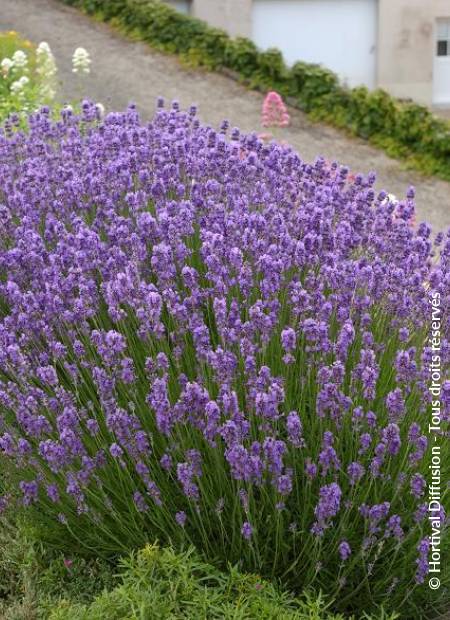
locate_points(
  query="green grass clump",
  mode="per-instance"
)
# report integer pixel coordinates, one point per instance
(153, 584)
(159, 583)
(34, 579)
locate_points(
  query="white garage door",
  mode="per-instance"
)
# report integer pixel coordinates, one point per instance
(441, 69)
(184, 6)
(340, 34)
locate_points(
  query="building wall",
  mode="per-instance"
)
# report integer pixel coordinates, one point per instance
(406, 46)
(234, 16)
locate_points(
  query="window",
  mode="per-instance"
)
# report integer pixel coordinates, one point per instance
(443, 37)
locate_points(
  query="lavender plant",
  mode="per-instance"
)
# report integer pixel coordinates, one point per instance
(204, 339)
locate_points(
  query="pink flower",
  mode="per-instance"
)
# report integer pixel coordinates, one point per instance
(274, 112)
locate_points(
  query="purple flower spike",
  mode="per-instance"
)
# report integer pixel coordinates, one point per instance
(288, 339)
(344, 550)
(247, 530)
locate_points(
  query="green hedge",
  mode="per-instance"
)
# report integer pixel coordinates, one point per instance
(404, 129)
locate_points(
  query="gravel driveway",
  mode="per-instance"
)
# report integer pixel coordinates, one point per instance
(124, 71)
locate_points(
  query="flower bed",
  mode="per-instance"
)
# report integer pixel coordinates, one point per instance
(204, 339)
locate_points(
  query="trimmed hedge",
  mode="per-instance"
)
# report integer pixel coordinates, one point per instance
(403, 129)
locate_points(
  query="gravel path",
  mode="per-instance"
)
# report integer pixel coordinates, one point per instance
(124, 71)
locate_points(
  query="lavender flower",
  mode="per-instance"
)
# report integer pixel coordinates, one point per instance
(328, 505)
(294, 428)
(355, 472)
(422, 561)
(247, 530)
(418, 485)
(391, 438)
(139, 501)
(344, 550)
(116, 450)
(288, 339)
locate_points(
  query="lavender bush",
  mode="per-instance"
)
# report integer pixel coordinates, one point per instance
(207, 340)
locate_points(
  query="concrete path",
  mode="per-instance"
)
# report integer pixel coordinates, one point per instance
(124, 71)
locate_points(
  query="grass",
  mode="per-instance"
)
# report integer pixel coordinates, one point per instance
(34, 579)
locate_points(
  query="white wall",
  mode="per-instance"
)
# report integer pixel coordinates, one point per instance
(234, 16)
(181, 5)
(340, 34)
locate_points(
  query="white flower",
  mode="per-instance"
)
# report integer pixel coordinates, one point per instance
(45, 60)
(43, 49)
(100, 108)
(6, 64)
(20, 59)
(23, 81)
(392, 198)
(18, 86)
(46, 69)
(81, 61)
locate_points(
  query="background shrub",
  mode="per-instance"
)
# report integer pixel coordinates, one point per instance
(310, 84)
(271, 72)
(242, 56)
